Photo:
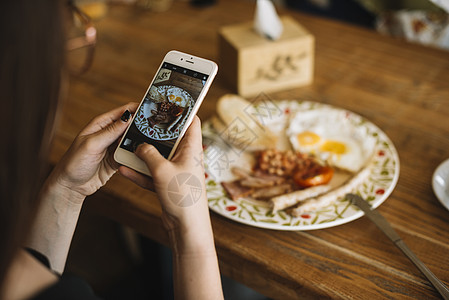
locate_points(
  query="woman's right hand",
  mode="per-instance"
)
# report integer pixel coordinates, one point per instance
(180, 185)
(179, 182)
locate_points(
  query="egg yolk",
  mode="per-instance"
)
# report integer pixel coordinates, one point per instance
(171, 97)
(178, 99)
(333, 147)
(308, 138)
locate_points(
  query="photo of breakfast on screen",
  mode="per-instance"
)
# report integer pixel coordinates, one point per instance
(164, 111)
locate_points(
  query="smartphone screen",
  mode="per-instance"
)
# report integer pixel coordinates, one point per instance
(165, 109)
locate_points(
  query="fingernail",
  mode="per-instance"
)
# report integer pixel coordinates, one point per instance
(125, 116)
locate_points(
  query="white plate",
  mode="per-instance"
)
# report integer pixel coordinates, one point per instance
(375, 189)
(440, 183)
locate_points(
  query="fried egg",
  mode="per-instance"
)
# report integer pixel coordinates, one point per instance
(177, 98)
(329, 136)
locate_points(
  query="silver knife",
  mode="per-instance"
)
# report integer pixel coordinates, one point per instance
(383, 225)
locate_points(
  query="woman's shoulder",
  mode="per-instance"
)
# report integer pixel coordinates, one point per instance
(30, 277)
(68, 287)
(26, 276)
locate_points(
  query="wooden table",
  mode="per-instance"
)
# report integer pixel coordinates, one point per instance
(401, 88)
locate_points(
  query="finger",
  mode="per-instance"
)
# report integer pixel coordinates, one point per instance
(139, 179)
(102, 121)
(191, 144)
(110, 155)
(108, 135)
(151, 156)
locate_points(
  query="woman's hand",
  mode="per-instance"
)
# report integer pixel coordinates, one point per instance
(180, 186)
(179, 182)
(89, 162)
(85, 167)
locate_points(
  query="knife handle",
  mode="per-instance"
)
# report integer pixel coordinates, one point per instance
(439, 286)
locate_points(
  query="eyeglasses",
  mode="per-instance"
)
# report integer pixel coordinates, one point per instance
(81, 45)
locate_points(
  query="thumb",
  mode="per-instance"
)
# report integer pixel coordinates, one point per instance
(109, 134)
(150, 155)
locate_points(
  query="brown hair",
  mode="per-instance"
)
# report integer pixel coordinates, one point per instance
(31, 60)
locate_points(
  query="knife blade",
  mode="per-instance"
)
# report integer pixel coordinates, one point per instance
(385, 227)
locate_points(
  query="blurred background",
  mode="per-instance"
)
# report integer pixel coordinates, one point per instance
(120, 264)
(420, 21)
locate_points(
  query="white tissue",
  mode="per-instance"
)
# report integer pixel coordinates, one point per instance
(266, 20)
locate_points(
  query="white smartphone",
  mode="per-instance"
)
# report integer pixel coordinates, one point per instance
(167, 108)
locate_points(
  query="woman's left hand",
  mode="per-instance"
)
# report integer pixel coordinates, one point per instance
(89, 162)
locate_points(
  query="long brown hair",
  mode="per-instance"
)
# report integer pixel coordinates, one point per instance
(31, 60)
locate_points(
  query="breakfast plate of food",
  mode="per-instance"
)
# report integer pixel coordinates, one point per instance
(163, 112)
(288, 164)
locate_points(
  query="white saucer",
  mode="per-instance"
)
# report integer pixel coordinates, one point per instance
(440, 183)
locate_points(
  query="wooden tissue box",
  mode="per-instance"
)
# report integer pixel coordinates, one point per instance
(253, 64)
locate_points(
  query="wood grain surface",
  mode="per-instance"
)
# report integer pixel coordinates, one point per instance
(400, 87)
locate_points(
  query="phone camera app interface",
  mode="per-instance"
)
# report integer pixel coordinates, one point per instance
(165, 109)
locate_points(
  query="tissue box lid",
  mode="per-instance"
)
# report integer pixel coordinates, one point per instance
(243, 35)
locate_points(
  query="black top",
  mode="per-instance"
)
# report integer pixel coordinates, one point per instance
(68, 287)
